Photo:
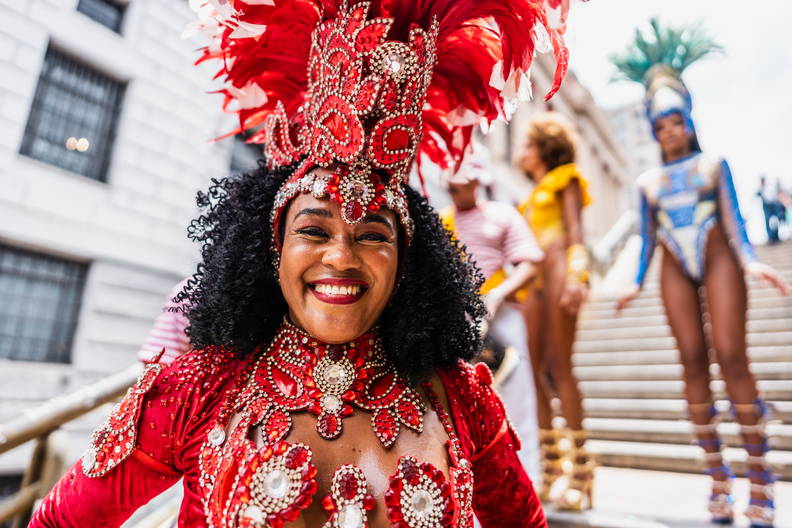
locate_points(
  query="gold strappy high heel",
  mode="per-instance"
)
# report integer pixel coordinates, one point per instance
(552, 459)
(578, 495)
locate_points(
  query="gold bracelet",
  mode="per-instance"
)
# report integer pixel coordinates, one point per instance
(577, 259)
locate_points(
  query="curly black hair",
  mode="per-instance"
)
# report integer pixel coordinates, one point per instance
(234, 300)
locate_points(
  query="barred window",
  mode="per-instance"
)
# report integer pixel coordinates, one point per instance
(72, 122)
(244, 156)
(41, 298)
(106, 12)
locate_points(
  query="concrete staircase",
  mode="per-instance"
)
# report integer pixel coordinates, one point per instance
(631, 380)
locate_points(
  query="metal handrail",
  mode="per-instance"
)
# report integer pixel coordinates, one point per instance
(38, 424)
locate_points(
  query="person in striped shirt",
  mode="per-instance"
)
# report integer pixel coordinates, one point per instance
(168, 332)
(500, 243)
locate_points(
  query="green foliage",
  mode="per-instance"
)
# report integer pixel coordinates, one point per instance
(676, 47)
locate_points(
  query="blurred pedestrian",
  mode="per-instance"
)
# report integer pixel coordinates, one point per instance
(168, 335)
(774, 210)
(690, 205)
(501, 245)
(553, 211)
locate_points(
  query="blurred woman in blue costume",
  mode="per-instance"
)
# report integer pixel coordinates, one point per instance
(689, 205)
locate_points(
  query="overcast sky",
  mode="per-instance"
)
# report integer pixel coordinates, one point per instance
(741, 98)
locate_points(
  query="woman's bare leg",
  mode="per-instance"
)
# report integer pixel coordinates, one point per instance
(534, 311)
(561, 328)
(683, 311)
(727, 301)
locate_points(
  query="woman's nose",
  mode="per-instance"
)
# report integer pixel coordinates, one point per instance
(341, 255)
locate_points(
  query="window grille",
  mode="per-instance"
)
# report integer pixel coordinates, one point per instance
(40, 305)
(72, 122)
(107, 13)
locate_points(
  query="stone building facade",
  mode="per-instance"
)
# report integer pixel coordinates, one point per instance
(104, 140)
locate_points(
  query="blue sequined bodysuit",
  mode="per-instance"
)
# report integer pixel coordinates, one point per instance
(680, 203)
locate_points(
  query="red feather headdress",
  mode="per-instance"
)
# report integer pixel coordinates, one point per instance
(365, 87)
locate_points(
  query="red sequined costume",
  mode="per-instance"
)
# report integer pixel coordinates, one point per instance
(357, 89)
(166, 428)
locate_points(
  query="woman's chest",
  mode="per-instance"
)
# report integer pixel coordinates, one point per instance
(350, 481)
(334, 439)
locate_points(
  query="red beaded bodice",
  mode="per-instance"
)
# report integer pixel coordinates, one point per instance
(174, 424)
(268, 481)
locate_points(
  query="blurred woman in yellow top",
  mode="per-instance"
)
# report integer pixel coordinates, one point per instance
(553, 210)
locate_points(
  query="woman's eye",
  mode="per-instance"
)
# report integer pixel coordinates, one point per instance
(373, 237)
(312, 232)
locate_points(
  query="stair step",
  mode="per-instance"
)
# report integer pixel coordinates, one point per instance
(670, 355)
(677, 457)
(667, 409)
(660, 343)
(673, 371)
(756, 299)
(652, 282)
(673, 389)
(675, 431)
(616, 331)
(624, 321)
(655, 309)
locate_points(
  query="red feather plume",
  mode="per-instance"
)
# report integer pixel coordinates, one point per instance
(484, 50)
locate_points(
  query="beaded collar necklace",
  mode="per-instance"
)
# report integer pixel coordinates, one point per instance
(270, 485)
(300, 373)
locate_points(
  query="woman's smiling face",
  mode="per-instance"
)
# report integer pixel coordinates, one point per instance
(337, 278)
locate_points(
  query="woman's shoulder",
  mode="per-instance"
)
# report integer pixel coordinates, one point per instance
(196, 373)
(477, 409)
(162, 409)
(560, 178)
(710, 164)
(470, 387)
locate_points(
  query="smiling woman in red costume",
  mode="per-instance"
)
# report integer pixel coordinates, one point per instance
(332, 313)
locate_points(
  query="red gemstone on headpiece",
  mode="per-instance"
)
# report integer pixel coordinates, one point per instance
(396, 139)
(337, 125)
(353, 211)
(381, 386)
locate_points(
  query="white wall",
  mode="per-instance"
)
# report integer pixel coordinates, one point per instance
(131, 229)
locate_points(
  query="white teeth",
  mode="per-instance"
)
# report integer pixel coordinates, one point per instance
(328, 289)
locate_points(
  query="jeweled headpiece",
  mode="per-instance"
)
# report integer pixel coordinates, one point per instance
(657, 59)
(365, 88)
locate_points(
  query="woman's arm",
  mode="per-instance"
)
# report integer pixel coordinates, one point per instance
(577, 274)
(125, 465)
(734, 224)
(730, 215)
(648, 238)
(78, 501)
(648, 228)
(503, 496)
(572, 206)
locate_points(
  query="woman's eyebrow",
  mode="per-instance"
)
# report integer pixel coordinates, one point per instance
(377, 218)
(324, 213)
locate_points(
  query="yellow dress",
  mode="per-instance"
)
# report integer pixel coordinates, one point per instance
(543, 209)
(545, 213)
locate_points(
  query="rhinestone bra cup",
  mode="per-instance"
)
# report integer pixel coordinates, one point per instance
(250, 486)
